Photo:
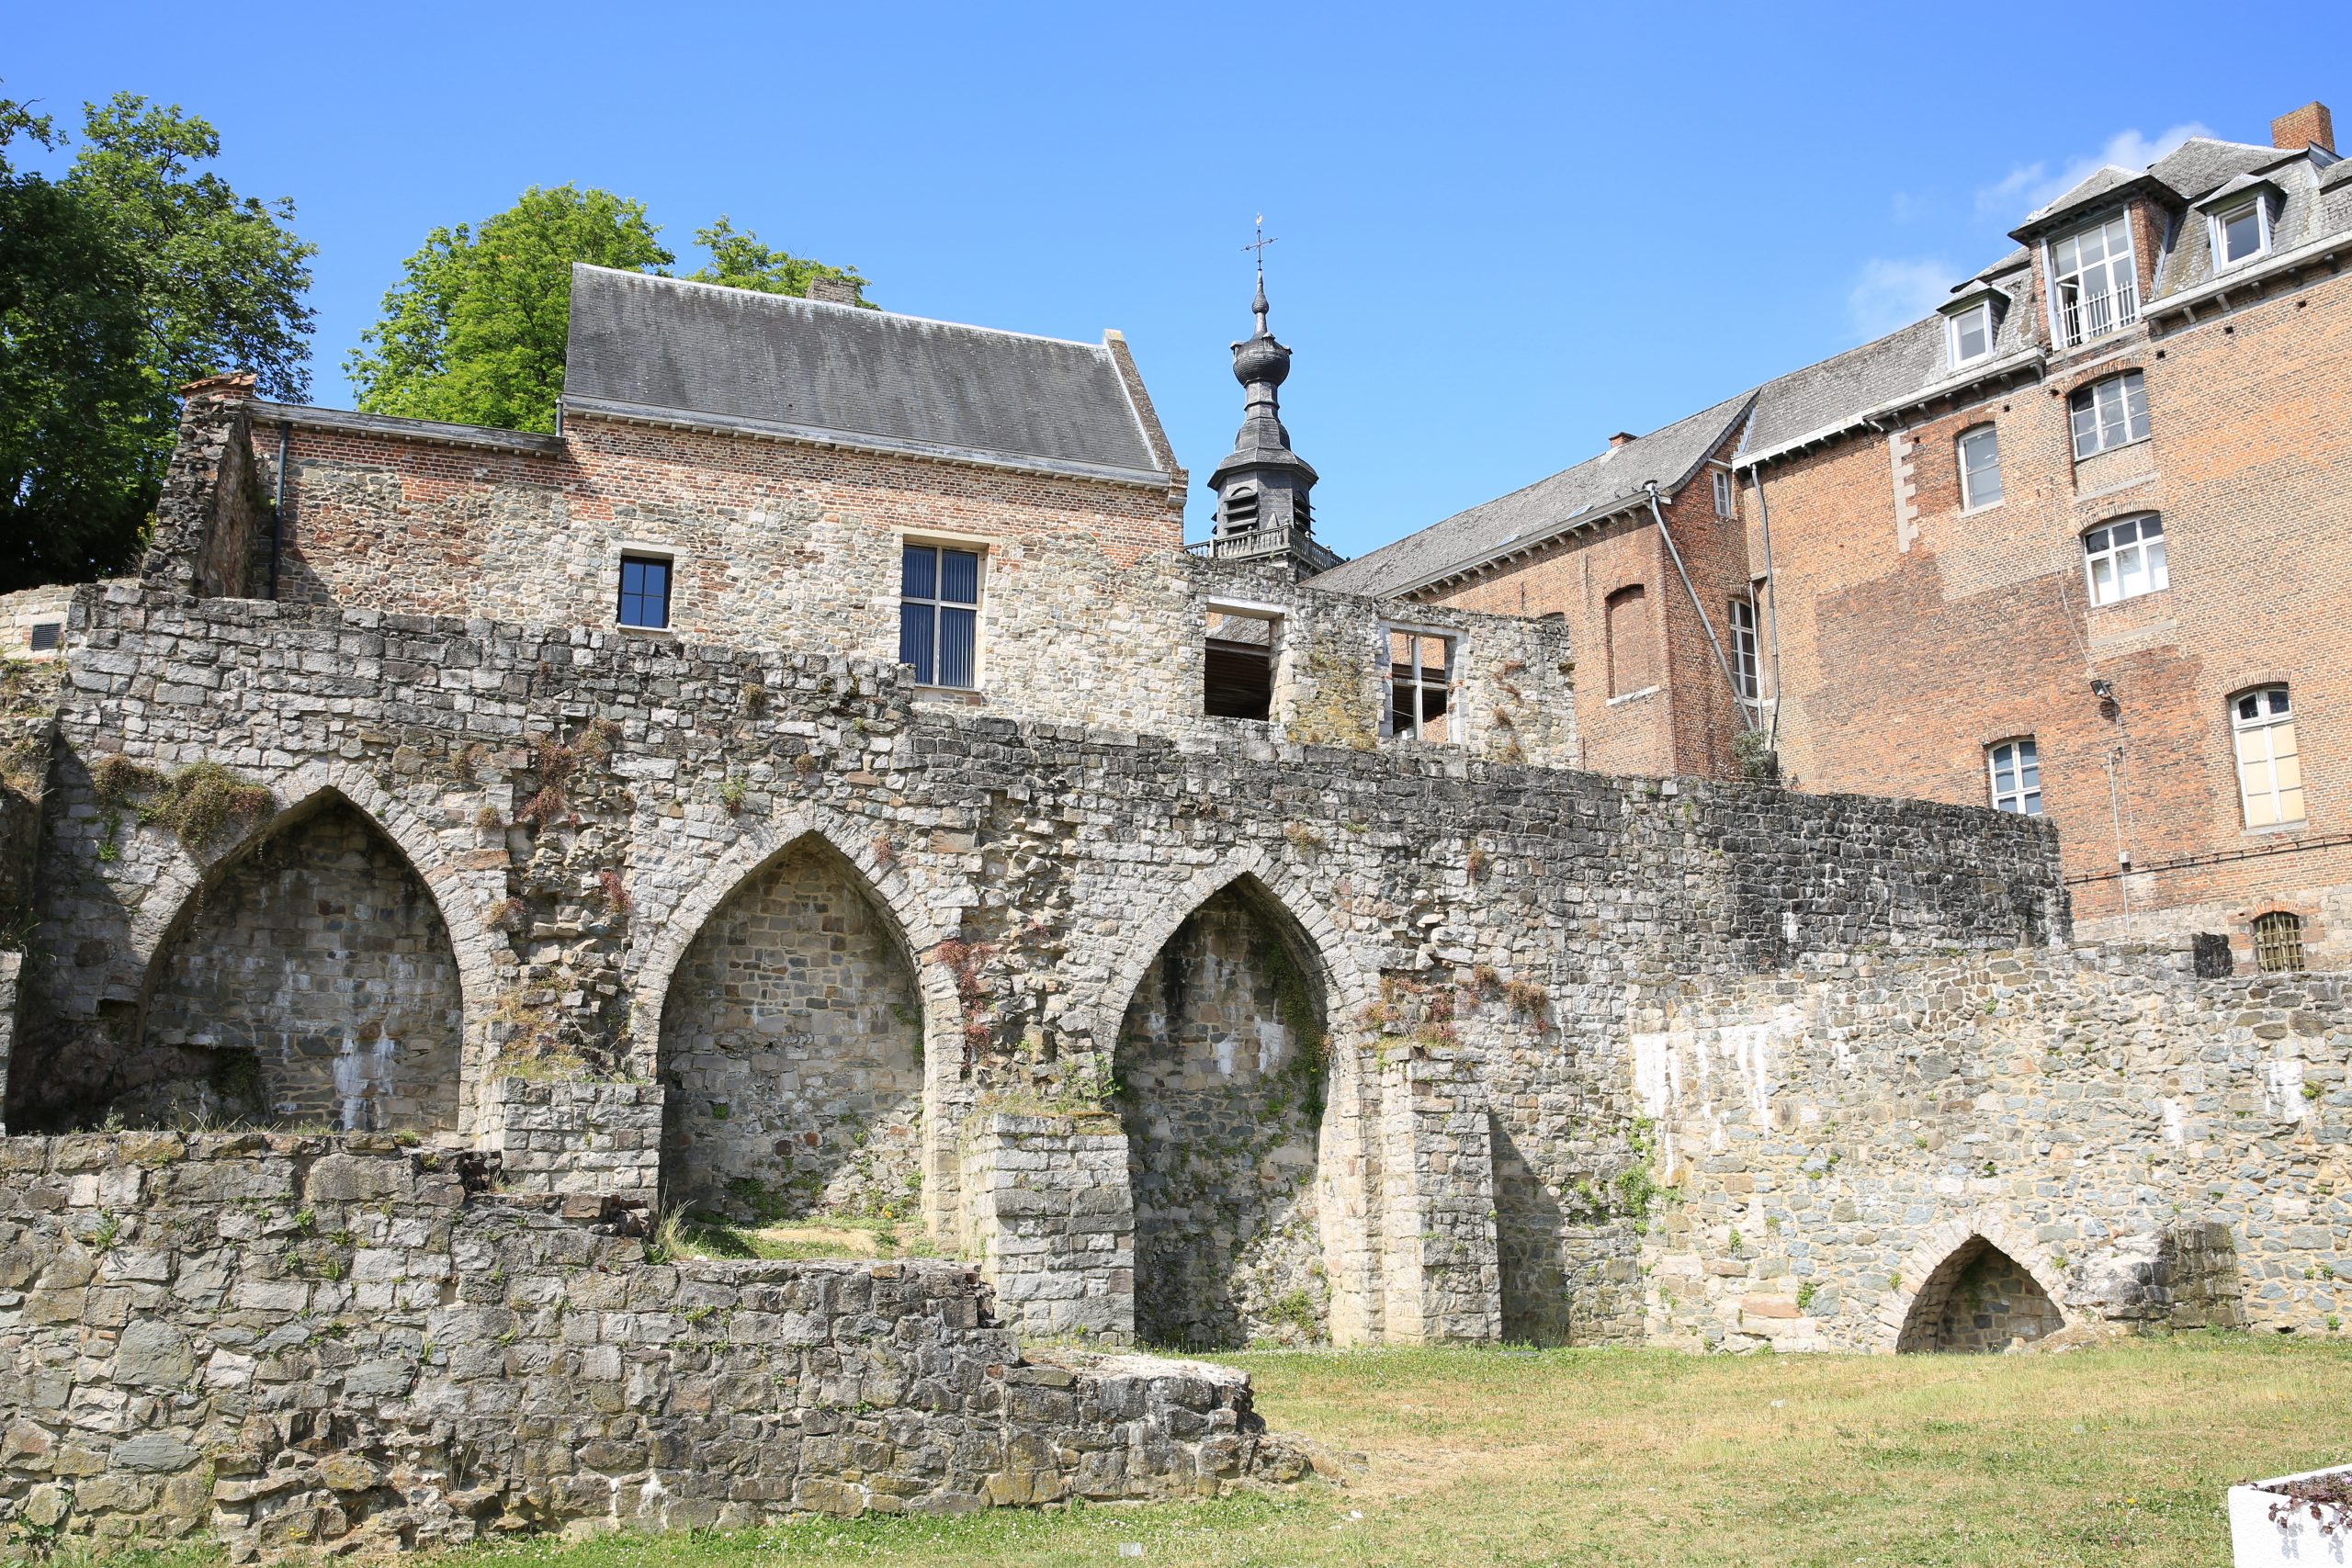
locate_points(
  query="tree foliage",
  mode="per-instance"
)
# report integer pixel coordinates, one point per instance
(475, 331)
(133, 275)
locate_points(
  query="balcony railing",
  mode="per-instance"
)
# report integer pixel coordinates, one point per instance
(2082, 316)
(1265, 544)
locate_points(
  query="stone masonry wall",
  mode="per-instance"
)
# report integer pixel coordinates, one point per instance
(2148, 1146)
(1222, 1095)
(793, 1042)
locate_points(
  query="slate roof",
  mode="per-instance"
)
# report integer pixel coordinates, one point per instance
(1590, 490)
(655, 346)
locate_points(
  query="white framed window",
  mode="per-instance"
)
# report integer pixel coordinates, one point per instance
(2094, 282)
(939, 614)
(2270, 771)
(1745, 669)
(1969, 332)
(1722, 493)
(2013, 768)
(1421, 684)
(2240, 233)
(2125, 559)
(1980, 467)
(2110, 414)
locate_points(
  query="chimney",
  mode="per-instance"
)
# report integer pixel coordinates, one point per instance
(235, 384)
(2307, 127)
(1620, 439)
(840, 290)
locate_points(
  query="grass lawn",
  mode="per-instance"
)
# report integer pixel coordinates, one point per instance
(1637, 1458)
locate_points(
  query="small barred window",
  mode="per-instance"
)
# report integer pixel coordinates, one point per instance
(2278, 943)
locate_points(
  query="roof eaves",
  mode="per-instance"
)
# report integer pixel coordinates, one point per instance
(2325, 248)
(2028, 358)
(2065, 212)
(728, 424)
(348, 421)
(1520, 544)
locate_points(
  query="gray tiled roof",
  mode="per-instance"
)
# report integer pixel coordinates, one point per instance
(655, 346)
(1591, 490)
(1828, 394)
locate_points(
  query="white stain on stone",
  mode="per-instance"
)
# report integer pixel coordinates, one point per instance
(2176, 1122)
(363, 1075)
(2282, 1090)
(1273, 1045)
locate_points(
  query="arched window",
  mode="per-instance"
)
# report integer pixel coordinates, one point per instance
(2014, 770)
(2277, 941)
(1980, 467)
(1633, 649)
(2270, 771)
(2125, 559)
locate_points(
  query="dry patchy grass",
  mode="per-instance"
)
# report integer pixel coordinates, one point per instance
(1627, 1459)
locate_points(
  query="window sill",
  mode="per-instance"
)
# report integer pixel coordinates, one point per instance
(1988, 506)
(970, 696)
(2134, 599)
(1636, 696)
(652, 633)
(2082, 457)
(2272, 830)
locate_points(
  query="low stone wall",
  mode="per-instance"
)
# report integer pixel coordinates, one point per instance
(2151, 1147)
(295, 1341)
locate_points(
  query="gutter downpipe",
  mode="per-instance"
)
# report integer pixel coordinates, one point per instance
(1747, 719)
(277, 509)
(1771, 605)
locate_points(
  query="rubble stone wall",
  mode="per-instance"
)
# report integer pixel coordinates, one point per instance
(2149, 1147)
(305, 1341)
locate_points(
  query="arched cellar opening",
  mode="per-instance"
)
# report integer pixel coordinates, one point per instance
(1222, 1083)
(1978, 1298)
(309, 983)
(792, 1047)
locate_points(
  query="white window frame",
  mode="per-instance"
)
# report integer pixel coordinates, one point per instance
(1724, 504)
(2023, 757)
(2217, 226)
(2144, 552)
(2131, 393)
(2087, 320)
(1454, 640)
(1969, 501)
(1746, 650)
(1954, 325)
(2260, 733)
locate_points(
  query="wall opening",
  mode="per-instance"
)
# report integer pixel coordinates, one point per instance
(792, 1049)
(1978, 1298)
(311, 983)
(1633, 664)
(1241, 653)
(1223, 1080)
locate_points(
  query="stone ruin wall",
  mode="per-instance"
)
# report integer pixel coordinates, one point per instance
(290, 1342)
(2149, 1147)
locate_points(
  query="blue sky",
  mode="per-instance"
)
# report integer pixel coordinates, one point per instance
(1503, 233)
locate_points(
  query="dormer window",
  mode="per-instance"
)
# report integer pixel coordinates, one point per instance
(2094, 282)
(1972, 334)
(2240, 233)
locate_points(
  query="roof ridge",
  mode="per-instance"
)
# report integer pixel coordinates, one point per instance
(864, 310)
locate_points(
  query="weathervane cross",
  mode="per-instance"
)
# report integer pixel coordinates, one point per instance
(1260, 243)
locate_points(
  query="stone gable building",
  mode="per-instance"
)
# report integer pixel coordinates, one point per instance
(2072, 547)
(817, 782)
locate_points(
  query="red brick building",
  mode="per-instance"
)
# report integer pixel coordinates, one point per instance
(2076, 545)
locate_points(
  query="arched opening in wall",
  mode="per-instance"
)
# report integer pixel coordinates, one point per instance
(1223, 1082)
(1632, 662)
(310, 982)
(1978, 1298)
(792, 1048)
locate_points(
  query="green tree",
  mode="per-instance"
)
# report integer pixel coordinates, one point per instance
(738, 260)
(474, 332)
(131, 275)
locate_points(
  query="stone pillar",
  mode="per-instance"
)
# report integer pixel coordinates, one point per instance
(1444, 1268)
(1048, 1215)
(577, 1137)
(11, 967)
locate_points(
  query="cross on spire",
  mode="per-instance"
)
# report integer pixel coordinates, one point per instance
(1258, 306)
(1260, 242)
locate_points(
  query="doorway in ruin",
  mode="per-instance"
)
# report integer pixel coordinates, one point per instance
(1978, 1298)
(792, 1048)
(1222, 1083)
(309, 983)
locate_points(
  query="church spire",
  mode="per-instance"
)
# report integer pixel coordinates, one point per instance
(1262, 486)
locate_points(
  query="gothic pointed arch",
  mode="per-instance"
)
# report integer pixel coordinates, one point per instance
(785, 1001)
(1227, 1077)
(308, 973)
(1975, 1282)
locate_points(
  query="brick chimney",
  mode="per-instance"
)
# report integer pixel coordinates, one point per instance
(839, 291)
(1620, 439)
(2307, 127)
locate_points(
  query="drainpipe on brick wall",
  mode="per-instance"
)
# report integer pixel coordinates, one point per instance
(1747, 719)
(1771, 605)
(278, 506)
